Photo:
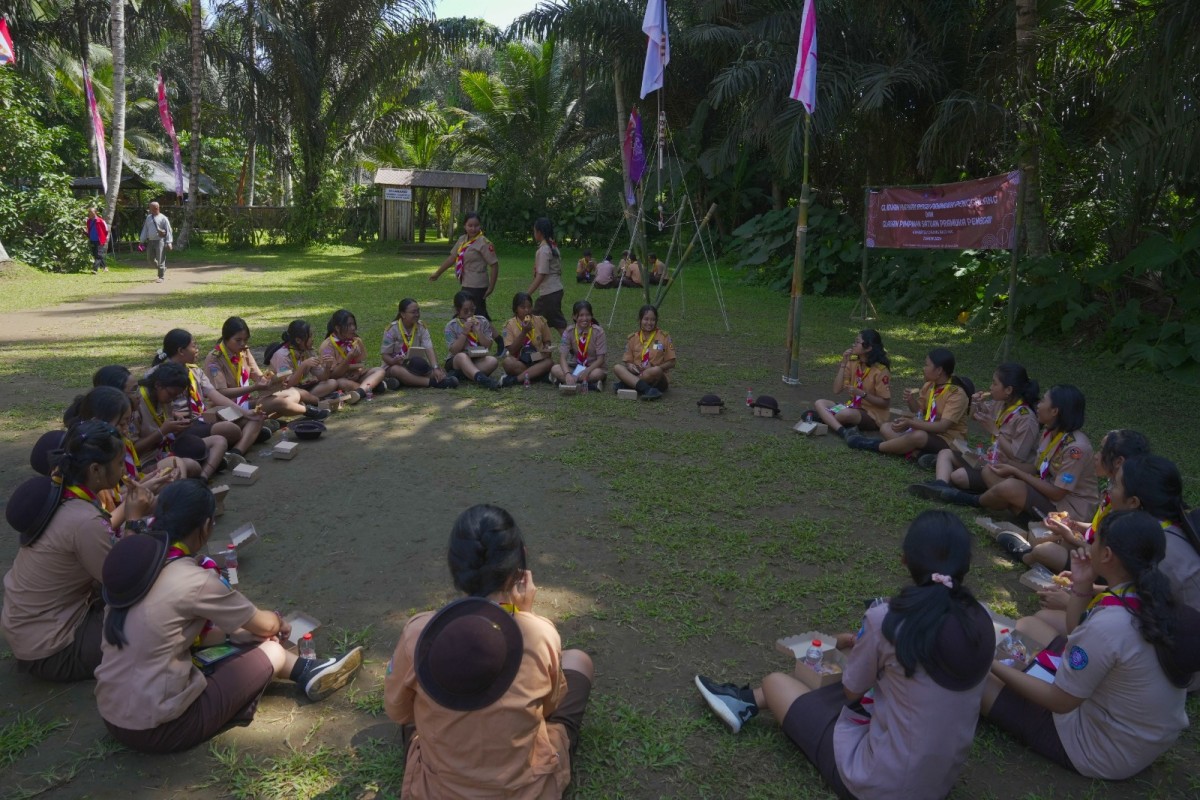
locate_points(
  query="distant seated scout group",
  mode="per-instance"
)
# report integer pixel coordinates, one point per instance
(111, 581)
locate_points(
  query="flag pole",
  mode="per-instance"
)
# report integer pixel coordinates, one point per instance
(792, 378)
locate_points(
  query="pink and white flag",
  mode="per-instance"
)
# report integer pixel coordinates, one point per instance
(97, 129)
(658, 46)
(7, 55)
(164, 114)
(804, 82)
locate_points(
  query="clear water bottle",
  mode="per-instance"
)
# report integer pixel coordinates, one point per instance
(525, 382)
(307, 648)
(1011, 650)
(231, 564)
(583, 387)
(749, 397)
(812, 656)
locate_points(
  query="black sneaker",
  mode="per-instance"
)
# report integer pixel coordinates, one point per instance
(312, 412)
(1014, 545)
(930, 490)
(264, 436)
(509, 381)
(448, 382)
(733, 704)
(392, 384)
(231, 460)
(321, 678)
(651, 394)
(927, 461)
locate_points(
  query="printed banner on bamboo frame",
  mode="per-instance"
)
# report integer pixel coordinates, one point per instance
(971, 215)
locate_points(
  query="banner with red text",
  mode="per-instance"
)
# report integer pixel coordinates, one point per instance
(971, 215)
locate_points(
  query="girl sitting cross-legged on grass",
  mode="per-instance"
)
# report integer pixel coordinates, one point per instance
(1008, 415)
(865, 375)
(528, 342)
(902, 720)
(649, 356)
(468, 333)
(293, 358)
(166, 601)
(160, 428)
(407, 351)
(582, 350)
(343, 357)
(1116, 702)
(939, 409)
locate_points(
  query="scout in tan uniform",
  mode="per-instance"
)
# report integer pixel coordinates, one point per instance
(1007, 413)
(649, 356)
(343, 355)
(475, 263)
(161, 424)
(294, 359)
(631, 271)
(467, 330)
(658, 271)
(939, 412)
(547, 276)
(164, 603)
(865, 375)
(528, 342)
(234, 373)
(407, 351)
(582, 350)
(585, 270)
(1064, 476)
(52, 610)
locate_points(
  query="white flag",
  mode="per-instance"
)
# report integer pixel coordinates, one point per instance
(804, 82)
(658, 46)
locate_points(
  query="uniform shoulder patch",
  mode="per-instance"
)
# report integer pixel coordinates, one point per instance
(1077, 659)
(491, 247)
(886, 379)
(1074, 453)
(215, 369)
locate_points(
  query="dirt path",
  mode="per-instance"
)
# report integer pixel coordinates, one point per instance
(90, 315)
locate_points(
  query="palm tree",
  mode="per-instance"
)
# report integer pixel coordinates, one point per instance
(117, 29)
(196, 41)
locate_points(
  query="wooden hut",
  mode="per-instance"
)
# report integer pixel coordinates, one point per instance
(399, 188)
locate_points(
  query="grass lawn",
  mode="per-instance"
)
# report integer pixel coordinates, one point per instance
(690, 543)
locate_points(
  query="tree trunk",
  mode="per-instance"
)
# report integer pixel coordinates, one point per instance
(85, 57)
(197, 44)
(1029, 135)
(4, 253)
(252, 122)
(116, 30)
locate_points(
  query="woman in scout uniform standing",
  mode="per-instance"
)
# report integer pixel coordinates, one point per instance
(1008, 415)
(1064, 476)
(649, 355)
(342, 356)
(475, 263)
(581, 351)
(865, 375)
(407, 350)
(180, 346)
(939, 409)
(547, 276)
(234, 373)
(528, 342)
(467, 330)
(52, 613)
(1117, 699)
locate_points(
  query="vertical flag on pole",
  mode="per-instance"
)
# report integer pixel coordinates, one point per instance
(164, 114)
(7, 55)
(658, 46)
(804, 82)
(634, 152)
(97, 129)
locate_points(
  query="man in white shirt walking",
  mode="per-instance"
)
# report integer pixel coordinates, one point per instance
(157, 237)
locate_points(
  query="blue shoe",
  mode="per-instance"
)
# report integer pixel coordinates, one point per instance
(733, 704)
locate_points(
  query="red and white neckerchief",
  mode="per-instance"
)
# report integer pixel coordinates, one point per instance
(646, 345)
(1048, 452)
(239, 368)
(582, 343)
(860, 378)
(459, 267)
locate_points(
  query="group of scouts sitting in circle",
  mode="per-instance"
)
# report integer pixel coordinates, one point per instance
(1122, 620)
(111, 582)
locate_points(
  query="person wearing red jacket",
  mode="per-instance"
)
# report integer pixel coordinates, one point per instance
(97, 231)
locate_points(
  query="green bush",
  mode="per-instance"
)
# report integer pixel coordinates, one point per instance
(40, 222)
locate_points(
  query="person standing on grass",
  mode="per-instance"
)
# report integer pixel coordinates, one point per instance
(547, 276)
(97, 231)
(901, 722)
(157, 237)
(475, 264)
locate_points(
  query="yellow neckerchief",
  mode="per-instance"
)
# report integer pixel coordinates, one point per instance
(859, 379)
(159, 419)
(241, 372)
(471, 337)
(510, 608)
(931, 403)
(645, 345)
(131, 458)
(1005, 415)
(1048, 452)
(337, 345)
(406, 341)
(294, 358)
(1101, 512)
(582, 345)
(532, 339)
(195, 401)
(1123, 595)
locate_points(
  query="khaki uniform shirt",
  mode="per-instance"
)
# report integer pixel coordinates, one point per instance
(54, 580)
(1073, 468)
(485, 334)
(479, 255)
(950, 403)
(875, 379)
(541, 338)
(550, 265)
(596, 345)
(221, 378)
(151, 680)
(504, 750)
(1019, 428)
(419, 342)
(657, 349)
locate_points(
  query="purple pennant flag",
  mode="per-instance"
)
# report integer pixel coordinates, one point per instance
(634, 151)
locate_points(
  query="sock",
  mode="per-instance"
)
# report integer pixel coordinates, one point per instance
(480, 377)
(298, 669)
(642, 387)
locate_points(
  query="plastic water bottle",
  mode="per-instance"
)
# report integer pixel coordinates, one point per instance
(1011, 651)
(525, 382)
(749, 397)
(583, 387)
(307, 648)
(813, 656)
(231, 564)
